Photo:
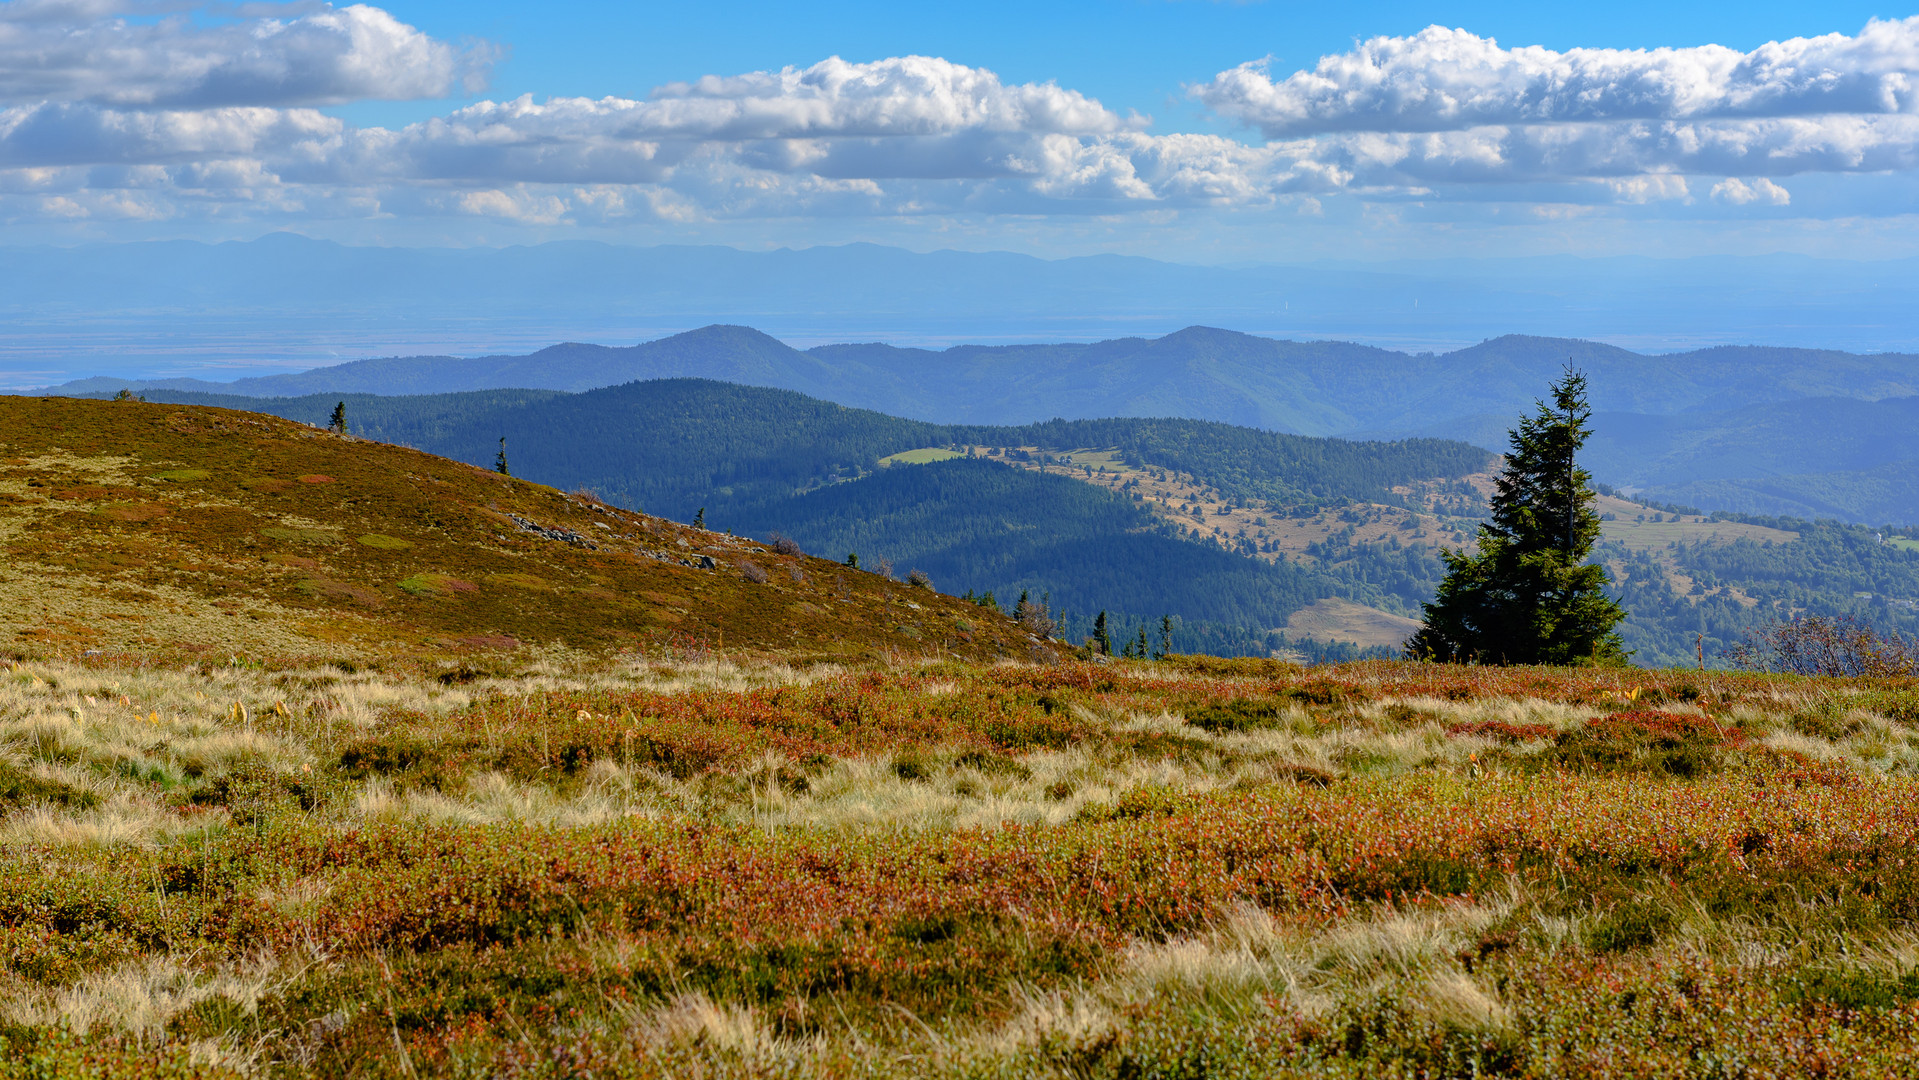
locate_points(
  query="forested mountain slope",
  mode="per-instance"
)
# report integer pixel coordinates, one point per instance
(1233, 530)
(675, 445)
(981, 526)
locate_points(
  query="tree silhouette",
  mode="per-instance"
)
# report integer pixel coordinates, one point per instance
(1528, 596)
(337, 422)
(499, 463)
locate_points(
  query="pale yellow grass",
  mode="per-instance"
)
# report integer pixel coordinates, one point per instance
(142, 997)
(1248, 959)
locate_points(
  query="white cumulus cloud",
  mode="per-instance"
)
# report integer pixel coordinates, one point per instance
(835, 130)
(1449, 107)
(1447, 80)
(1737, 192)
(133, 119)
(79, 52)
(79, 134)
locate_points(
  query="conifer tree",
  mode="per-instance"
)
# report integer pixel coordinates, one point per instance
(1165, 636)
(337, 422)
(499, 463)
(1101, 639)
(1528, 596)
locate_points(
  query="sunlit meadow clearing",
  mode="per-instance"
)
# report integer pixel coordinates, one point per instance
(1184, 868)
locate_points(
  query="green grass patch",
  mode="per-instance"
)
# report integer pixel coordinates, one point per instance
(301, 536)
(431, 585)
(923, 456)
(18, 786)
(529, 582)
(384, 542)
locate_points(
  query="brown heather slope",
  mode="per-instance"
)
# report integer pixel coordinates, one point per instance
(175, 529)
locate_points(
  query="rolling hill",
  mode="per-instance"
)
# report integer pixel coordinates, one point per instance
(760, 461)
(1311, 388)
(1243, 535)
(179, 529)
(1744, 429)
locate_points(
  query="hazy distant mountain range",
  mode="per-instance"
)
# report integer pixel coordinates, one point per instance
(1759, 430)
(1308, 388)
(286, 302)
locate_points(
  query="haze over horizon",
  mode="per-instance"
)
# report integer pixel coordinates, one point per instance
(1421, 153)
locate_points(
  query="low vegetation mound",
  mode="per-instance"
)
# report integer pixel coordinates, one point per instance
(184, 529)
(1200, 866)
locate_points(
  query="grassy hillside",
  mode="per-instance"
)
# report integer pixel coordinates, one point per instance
(161, 528)
(1689, 581)
(954, 871)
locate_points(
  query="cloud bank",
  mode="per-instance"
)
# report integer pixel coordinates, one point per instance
(326, 57)
(106, 117)
(1446, 106)
(1451, 80)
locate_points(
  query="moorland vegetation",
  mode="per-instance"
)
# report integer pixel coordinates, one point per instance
(189, 531)
(619, 867)
(324, 757)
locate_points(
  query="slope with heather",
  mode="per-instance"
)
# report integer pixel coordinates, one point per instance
(159, 527)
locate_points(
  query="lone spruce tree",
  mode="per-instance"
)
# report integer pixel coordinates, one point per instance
(1528, 596)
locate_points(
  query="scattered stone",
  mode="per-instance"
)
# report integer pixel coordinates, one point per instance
(565, 536)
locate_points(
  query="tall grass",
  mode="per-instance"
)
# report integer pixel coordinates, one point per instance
(721, 868)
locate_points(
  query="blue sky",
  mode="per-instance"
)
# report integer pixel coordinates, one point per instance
(1131, 54)
(1198, 131)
